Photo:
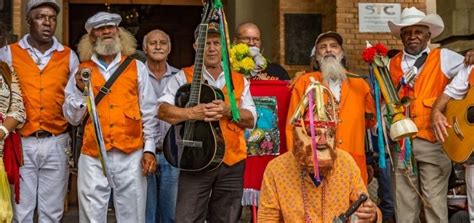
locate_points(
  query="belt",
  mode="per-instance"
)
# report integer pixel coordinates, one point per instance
(159, 150)
(41, 134)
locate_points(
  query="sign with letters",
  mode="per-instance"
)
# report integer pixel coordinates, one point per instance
(373, 17)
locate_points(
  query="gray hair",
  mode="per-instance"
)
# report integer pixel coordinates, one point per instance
(152, 32)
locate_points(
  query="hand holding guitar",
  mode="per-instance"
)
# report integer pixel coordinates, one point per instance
(439, 123)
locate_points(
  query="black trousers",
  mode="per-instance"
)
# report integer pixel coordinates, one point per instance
(215, 195)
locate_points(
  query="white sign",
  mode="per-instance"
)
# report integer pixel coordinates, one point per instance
(373, 17)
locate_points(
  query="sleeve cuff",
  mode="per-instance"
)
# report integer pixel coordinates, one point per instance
(149, 146)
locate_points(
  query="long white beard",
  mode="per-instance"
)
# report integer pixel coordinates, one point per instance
(109, 48)
(332, 69)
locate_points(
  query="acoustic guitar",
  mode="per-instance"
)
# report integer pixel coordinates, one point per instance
(460, 115)
(195, 145)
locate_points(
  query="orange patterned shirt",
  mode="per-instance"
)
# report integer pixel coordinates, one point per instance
(281, 197)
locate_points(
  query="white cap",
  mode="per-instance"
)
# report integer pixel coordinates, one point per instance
(102, 19)
(36, 3)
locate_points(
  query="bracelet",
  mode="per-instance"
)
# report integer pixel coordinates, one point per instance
(4, 130)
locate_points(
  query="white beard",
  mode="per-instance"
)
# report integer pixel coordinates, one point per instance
(107, 49)
(331, 68)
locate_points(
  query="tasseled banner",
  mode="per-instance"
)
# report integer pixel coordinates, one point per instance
(6, 210)
(380, 134)
(380, 140)
(250, 197)
(313, 138)
(225, 59)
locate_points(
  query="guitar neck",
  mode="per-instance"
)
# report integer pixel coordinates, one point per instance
(195, 91)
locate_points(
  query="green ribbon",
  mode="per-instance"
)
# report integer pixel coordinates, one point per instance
(225, 60)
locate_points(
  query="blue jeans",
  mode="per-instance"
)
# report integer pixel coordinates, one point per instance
(162, 191)
(384, 191)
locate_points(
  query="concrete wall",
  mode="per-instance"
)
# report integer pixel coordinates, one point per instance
(260, 12)
(458, 16)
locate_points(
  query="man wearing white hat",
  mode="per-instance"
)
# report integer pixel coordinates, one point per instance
(127, 117)
(43, 66)
(432, 165)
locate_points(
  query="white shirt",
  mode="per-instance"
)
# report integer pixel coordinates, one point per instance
(451, 62)
(74, 104)
(459, 86)
(36, 55)
(246, 101)
(159, 86)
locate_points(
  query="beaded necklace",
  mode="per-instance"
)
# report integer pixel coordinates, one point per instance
(307, 217)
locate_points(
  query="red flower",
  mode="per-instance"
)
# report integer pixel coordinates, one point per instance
(368, 54)
(381, 49)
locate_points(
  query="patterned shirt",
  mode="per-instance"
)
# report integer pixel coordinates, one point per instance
(11, 103)
(281, 198)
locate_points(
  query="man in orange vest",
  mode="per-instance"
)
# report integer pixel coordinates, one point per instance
(127, 117)
(353, 96)
(43, 66)
(219, 191)
(433, 166)
(456, 89)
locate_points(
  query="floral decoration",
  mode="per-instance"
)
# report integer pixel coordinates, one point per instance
(247, 60)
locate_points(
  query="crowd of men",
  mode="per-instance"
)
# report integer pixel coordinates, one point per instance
(138, 107)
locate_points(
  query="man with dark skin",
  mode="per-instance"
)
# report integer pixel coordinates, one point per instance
(43, 66)
(433, 166)
(217, 193)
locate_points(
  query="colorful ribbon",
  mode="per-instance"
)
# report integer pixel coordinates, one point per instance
(224, 34)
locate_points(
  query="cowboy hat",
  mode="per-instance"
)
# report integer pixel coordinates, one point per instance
(412, 16)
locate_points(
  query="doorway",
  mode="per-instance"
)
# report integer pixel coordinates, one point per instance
(178, 21)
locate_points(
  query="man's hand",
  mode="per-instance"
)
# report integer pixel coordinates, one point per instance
(367, 212)
(439, 124)
(469, 57)
(217, 109)
(148, 163)
(80, 84)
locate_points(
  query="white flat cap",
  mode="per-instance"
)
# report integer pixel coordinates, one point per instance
(36, 3)
(102, 19)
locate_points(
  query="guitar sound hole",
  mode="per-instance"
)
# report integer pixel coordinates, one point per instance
(470, 114)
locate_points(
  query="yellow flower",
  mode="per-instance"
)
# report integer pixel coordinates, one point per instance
(235, 65)
(240, 51)
(247, 64)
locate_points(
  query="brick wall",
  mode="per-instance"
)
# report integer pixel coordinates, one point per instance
(341, 16)
(347, 22)
(327, 8)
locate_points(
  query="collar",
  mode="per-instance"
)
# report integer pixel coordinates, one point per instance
(114, 62)
(221, 75)
(414, 57)
(25, 45)
(168, 72)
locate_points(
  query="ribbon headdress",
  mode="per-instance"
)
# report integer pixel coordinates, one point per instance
(317, 109)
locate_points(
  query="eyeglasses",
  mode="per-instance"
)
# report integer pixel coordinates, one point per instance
(248, 39)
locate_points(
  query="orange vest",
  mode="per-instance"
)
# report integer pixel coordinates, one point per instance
(429, 84)
(355, 102)
(43, 90)
(235, 146)
(119, 112)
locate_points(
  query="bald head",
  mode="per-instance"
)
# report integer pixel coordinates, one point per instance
(157, 45)
(248, 33)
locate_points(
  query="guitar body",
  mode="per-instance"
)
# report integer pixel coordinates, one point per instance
(460, 115)
(202, 147)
